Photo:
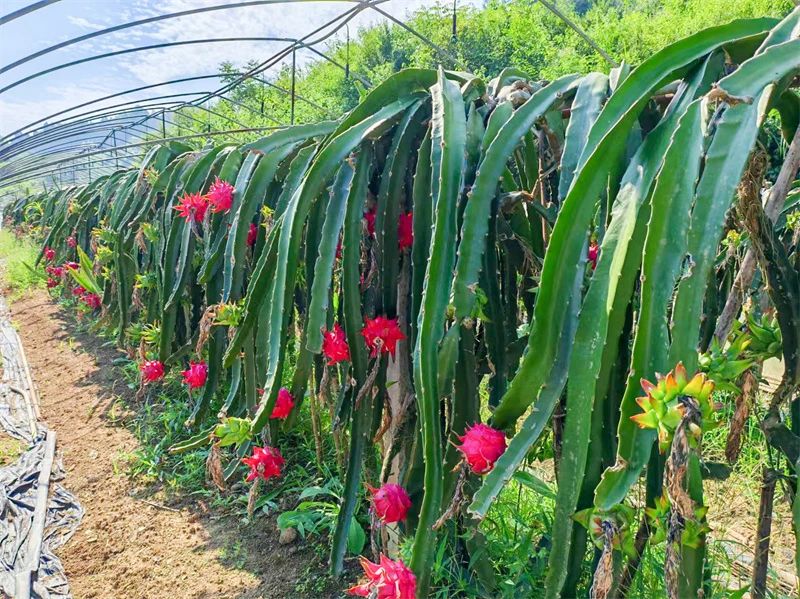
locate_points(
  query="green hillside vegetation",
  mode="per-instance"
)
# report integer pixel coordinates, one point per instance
(522, 34)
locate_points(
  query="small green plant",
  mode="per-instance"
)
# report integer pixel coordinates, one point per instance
(18, 256)
(10, 449)
(235, 554)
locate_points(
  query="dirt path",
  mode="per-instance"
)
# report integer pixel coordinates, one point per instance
(126, 548)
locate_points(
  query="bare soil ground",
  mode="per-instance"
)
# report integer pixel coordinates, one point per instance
(130, 545)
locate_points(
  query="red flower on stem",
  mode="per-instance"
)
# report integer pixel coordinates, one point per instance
(49, 254)
(369, 216)
(334, 345)
(266, 462)
(192, 206)
(283, 405)
(195, 376)
(55, 271)
(78, 291)
(387, 579)
(384, 329)
(390, 503)
(71, 265)
(592, 254)
(220, 196)
(52, 283)
(252, 235)
(92, 300)
(405, 231)
(481, 445)
(72, 242)
(152, 371)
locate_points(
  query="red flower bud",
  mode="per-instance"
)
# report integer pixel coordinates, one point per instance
(390, 503)
(334, 345)
(283, 405)
(220, 196)
(92, 300)
(195, 376)
(72, 242)
(384, 329)
(152, 371)
(592, 254)
(51, 283)
(78, 291)
(369, 216)
(71, 265)
(49, 254)
(481, 445)
(192, 205)
(252, 235)
(405, 231)
(265, 462)
(386, 580)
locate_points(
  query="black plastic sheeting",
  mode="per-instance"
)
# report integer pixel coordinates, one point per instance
(19, 486)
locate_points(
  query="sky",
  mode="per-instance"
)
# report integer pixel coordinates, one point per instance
(67, 19)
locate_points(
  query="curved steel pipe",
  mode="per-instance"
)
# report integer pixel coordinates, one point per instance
(155, 141)
(94, 57)
(174, 15)
(26, 10)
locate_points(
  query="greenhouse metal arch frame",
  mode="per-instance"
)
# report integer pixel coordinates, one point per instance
(37, 139)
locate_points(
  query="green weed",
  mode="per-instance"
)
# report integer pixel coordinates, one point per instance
(17, 259)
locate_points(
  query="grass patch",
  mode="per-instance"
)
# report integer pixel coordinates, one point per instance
(17, 259)
(10, 449)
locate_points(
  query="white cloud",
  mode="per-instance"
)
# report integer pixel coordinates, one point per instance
(276, 21)
(84, 23)
(94, 80)
(53, 99)
(284, 20)
(292, 20)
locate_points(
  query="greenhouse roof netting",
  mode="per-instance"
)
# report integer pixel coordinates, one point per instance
(85, 87)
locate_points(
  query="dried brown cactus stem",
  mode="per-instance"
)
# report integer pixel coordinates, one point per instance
(784, 292)
(775, 201)
(742, 408)
(204, 327)
(252, 497)
(676, 485)
(214, 468)
(783, 288)
(603, 580)
(758, 588)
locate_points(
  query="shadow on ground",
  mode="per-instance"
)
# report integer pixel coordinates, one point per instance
(136, 542)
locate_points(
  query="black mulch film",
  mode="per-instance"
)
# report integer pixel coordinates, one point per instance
(29, 566)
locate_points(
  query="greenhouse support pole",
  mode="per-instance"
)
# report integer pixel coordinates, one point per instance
(36, 534)
(294, 78)
(114, 141)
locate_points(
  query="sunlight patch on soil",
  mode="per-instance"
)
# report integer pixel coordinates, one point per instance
(131, 545)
